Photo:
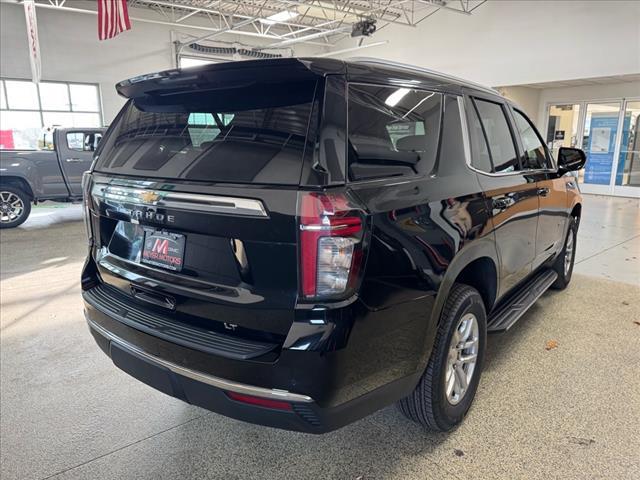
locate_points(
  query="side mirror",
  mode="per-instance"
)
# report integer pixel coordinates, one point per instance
(570, 160)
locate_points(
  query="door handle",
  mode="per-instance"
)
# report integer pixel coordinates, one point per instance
(73, 160)
(502, 203)
(543, 192)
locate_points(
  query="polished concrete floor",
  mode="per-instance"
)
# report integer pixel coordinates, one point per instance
(570, 412)
(609, 239)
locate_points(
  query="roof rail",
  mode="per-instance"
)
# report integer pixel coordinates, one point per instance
(406, 66)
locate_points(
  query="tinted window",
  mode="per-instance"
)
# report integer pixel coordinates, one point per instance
(392, 131)
(452, 144)
(480, 157)
(203, 127)
(535, 154)
(253, 134)
(496, 129)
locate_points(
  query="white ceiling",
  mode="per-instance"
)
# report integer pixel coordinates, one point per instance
(586, 81)
(279, 23)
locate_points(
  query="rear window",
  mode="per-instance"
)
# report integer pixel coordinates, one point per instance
(251, 134)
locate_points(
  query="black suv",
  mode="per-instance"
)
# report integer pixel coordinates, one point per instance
(301, 242)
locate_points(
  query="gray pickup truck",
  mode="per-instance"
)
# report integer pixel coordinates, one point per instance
(54, 173)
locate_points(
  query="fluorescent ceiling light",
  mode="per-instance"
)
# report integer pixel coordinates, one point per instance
(283, 16)
(393, 99)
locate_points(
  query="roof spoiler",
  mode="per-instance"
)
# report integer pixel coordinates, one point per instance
(227, 74)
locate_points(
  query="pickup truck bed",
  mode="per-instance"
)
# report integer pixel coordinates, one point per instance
(28, 176)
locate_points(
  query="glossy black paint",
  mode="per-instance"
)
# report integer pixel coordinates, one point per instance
(571, 159)
(424, 233)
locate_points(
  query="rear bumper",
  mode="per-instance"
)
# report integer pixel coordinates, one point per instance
(205, 390)
(181, 373)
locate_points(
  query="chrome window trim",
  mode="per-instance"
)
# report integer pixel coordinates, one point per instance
(217, 382)
(135, 195)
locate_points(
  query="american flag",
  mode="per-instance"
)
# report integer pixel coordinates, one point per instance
(113, 18)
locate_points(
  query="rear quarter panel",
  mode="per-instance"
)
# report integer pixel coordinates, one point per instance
(425, 232)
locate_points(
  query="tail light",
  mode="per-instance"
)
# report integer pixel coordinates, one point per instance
(331, 235)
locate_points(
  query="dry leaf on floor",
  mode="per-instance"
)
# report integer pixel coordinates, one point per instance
(551, 344)
(582, 441)
(636, 322)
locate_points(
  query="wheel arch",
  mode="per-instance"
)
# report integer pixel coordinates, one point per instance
(481, 274)
(17, 182)
(576, 211)
(477, 266)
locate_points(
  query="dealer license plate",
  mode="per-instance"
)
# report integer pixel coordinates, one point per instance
(163, 249)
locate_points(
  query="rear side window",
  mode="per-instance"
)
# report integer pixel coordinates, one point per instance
(502, 151)
(452, 143)
(393, 132)
(250, 134)
(535, 154)
(481, 159)
(83, 142)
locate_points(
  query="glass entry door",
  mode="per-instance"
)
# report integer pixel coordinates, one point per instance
(562, 127)
(599, 137)
(628, 169)
(609, 134)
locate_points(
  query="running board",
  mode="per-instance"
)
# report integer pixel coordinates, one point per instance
(510, 312)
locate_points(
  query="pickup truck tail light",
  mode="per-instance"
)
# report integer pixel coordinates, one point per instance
(331, 237)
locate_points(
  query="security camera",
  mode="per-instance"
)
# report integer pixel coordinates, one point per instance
(364, 28)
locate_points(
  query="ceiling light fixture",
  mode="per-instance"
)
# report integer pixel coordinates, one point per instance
(279, 17)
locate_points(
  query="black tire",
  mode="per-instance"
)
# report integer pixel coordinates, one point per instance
(428, 404)
(5, 192)
(564, 275)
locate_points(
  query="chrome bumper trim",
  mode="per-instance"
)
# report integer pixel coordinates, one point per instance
(199, 376)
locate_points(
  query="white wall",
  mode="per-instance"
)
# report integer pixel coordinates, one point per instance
(70, 50)
(535, 101)
(519, 42)
(527, 98)
(502, 43)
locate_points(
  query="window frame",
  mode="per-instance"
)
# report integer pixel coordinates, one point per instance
(550, 160)
(466, 104)
(40, 111)
(515, 139)
(408, 178)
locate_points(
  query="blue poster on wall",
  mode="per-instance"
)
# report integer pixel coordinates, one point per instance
(602, 142)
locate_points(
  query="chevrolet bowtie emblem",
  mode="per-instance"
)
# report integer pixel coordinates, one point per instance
(149, 197)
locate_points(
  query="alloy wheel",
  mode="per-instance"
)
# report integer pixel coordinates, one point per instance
(462, 358)
(568, 253)
(11, 207)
